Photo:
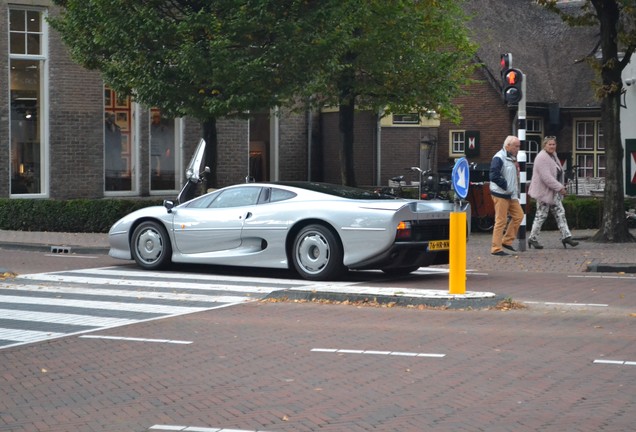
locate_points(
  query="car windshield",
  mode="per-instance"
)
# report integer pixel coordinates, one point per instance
(339, 190)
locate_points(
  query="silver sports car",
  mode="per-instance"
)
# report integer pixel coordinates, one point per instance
(318, 229)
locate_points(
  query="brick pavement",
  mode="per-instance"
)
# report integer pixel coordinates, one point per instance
(254, 368)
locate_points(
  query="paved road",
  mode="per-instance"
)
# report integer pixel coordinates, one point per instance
(41, 306)
(566, 362)
(274, 367)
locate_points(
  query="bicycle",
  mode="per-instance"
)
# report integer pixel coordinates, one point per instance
(483, 210)
(434, 187)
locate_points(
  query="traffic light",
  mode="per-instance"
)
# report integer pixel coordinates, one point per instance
(505, 63)
(512, 79)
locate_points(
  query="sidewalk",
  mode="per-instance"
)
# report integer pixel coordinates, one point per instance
(57, 242)
(586, 257)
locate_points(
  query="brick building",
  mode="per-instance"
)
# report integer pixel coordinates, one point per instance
(63, 134)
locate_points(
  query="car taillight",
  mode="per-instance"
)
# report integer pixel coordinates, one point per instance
(403, 231)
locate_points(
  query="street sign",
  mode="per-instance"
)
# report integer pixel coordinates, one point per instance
(461, 178)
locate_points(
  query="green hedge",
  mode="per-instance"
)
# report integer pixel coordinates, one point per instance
(581, 212)
(66, 215)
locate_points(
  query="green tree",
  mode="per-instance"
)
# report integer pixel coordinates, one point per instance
(616, 21)
(399, 56)
(211, 59)
(196, 58)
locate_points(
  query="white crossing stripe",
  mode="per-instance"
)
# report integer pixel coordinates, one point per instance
(199, 429)
(615, 362)
(390, 353)
(16, 335)
(121, 338)
(142, 283)
(139, 295)
(108, 271)
(567, 304)
(63, 318)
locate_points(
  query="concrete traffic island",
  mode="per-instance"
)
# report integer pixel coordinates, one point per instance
(391, 297)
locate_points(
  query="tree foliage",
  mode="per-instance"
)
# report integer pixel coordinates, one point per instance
(211, 59)
(398, 56)
(192, 57)
(196, 58)
(616, 21)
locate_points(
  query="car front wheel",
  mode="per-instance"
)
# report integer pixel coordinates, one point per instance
(317, 253)
(150, 246)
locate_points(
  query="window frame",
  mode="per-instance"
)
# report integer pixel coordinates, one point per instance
(534, 128)
(591, 149)
(456, 142)
(43, 96)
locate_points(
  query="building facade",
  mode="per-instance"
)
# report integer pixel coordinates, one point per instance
(64, 134)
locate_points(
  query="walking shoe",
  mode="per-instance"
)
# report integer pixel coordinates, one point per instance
(500, 253)
(534, 244)
(510, 248)
(569, 241)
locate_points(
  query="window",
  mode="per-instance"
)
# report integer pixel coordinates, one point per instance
(281, 195)
(585, 135)
(237, 197)
(29, 110)
(458, 142)
(534, 134)
(411, 118)
(589, 148)
(203, 201)
(118, 142)
(164, 152)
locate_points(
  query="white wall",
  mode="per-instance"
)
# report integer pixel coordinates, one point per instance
(628, 114)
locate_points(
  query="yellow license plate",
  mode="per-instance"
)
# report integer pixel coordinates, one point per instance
(438, 245)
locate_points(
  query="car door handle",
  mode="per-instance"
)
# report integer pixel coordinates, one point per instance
(248, 215)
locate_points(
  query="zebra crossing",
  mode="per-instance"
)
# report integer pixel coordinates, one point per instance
(42, 306)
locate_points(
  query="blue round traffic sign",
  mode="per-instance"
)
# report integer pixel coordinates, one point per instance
(461, 177)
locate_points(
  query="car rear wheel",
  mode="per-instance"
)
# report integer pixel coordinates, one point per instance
(317, 253)
(150, 246)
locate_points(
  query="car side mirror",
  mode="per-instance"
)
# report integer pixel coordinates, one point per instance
(169, 205)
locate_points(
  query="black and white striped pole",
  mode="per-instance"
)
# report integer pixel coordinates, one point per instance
(522, 159)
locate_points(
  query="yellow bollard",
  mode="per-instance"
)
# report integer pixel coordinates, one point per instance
(457, 254)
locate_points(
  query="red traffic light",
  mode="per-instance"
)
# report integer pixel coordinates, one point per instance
(505, 62)
(512, 91)
(512, 77)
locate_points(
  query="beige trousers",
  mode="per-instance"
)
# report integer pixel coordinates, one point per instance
(502, 234)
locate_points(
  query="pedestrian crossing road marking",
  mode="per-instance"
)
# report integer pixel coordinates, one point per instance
(37, 307)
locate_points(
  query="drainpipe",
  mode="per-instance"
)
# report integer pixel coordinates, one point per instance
(309, 141)
(378, 150)
(275, 126)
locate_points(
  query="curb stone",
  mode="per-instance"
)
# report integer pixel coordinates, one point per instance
(597, 267)
(397, 300)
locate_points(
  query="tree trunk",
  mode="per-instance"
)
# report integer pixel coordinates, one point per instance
(211, 152)
(614, 224)
(346, 125)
